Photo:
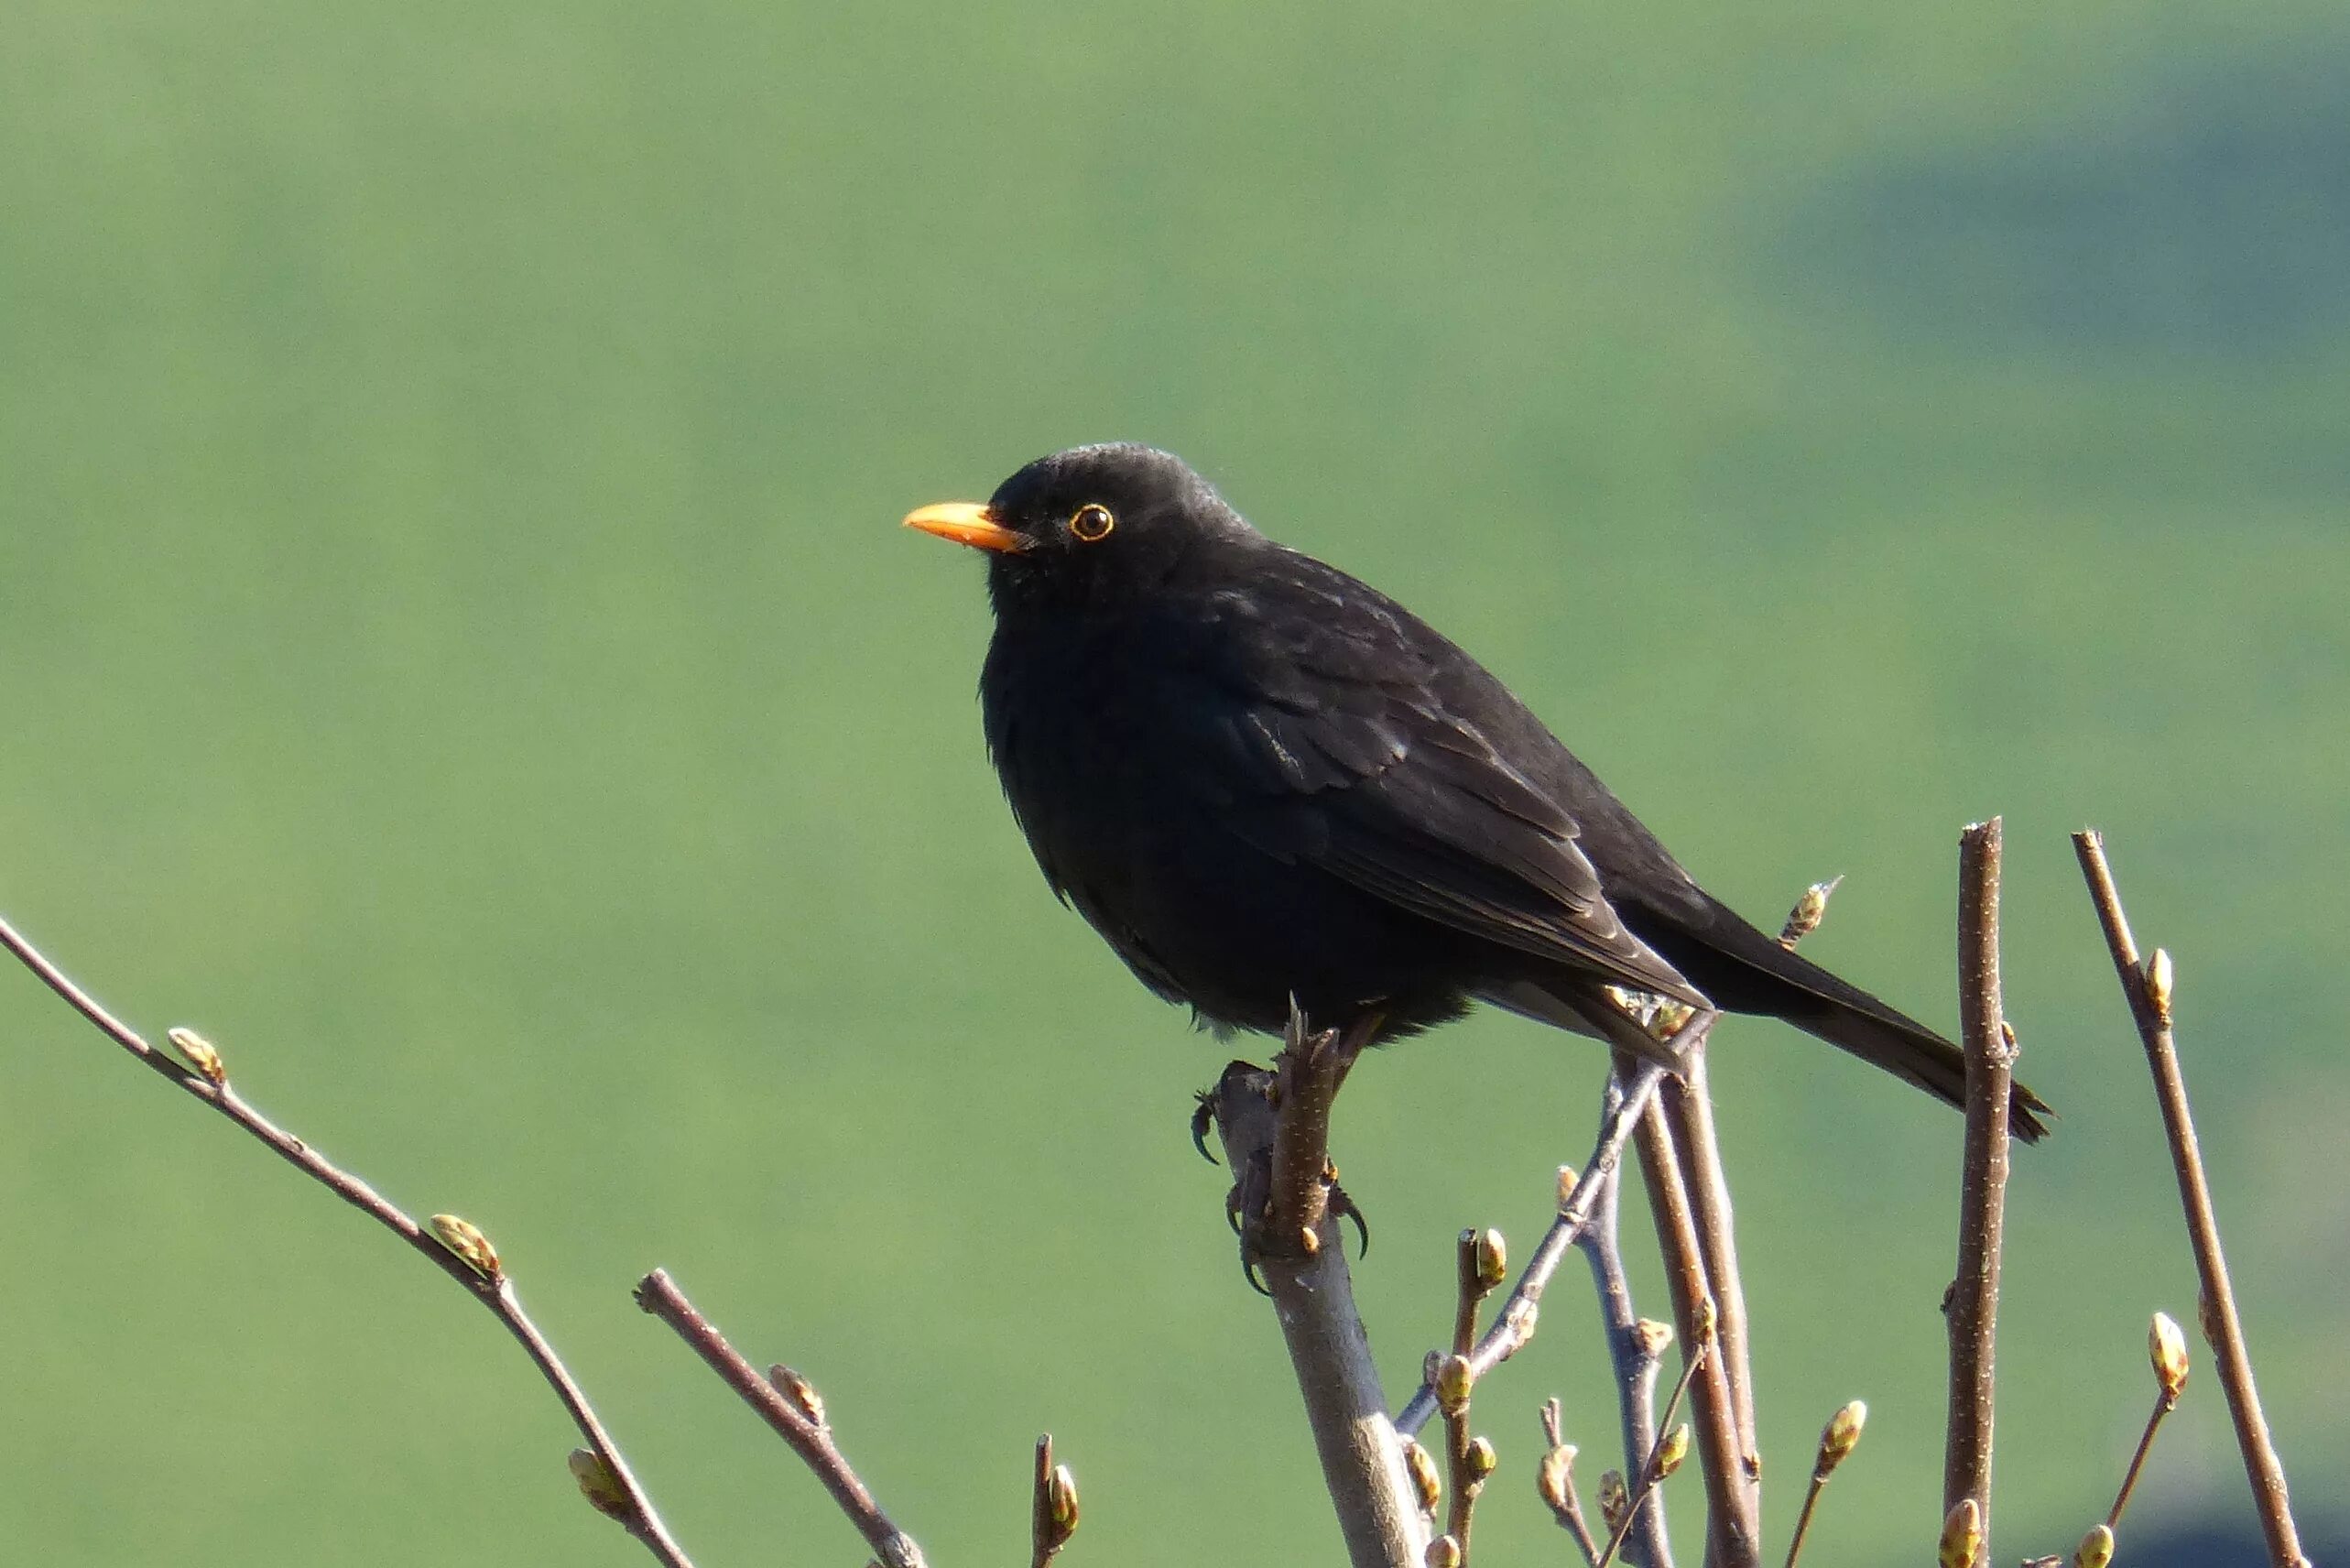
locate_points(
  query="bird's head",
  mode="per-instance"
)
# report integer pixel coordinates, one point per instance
(1086, 526)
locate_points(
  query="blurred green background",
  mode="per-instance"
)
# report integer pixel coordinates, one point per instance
(460, 653)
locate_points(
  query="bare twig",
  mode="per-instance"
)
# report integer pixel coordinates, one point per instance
(788, 1404)
(1635, 1349)
(1731, 1525)
(1990, 1062)
(1305, 1272)
(614, 1489)
(2148, 988)
(1513, 1324)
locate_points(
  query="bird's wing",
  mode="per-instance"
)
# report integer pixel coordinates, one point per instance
(1341, 749)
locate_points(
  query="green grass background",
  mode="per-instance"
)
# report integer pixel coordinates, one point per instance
(458, 652)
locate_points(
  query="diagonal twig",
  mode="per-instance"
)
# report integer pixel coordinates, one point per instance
(464, 1255)
(2148, 987)
(1990, 1051)
(785, 1402)
(1513, 1325)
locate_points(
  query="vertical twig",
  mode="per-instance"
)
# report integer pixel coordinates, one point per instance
(1304, 1270)
(1689, 1111)
(1731, 1527)
(1480, 1263)
(1635, 1349)
(2149, 1005)
(1974, 1306)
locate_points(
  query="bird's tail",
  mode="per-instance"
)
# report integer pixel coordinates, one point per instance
(1744, 971)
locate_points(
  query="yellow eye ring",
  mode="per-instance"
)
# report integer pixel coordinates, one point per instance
(1091, 522)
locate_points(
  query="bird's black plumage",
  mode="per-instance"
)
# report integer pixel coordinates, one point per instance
(1259, 779)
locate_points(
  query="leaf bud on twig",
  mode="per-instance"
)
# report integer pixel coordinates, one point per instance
(1554, 1478)
(1961, 1541)
(1060, 1500)
(1704, 1319)
(2165, 1346)
(464, 1238)
(1841, 1437)
(199, 1053)
(1809, 911)
(2159, 977)
(797, 1392)
(2096, 1548)
(1482, 1460)
(1443, 1553)
(598, 1484)
(1670, 1018)
(1454, 1378)
(1672, 1451)
(1614, 1502)
(1652, 1338)
(1493, 1258)
(1424, 1476)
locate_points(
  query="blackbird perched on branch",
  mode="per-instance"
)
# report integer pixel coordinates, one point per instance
(1260, 780)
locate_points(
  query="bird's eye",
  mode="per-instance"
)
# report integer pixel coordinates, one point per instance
(1091, 522)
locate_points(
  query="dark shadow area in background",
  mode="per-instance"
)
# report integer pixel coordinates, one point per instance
(2214, 1544)
(2206, 214)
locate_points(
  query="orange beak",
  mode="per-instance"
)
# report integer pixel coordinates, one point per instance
(965, 522)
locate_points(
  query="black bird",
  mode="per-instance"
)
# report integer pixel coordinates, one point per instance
(1259, 779)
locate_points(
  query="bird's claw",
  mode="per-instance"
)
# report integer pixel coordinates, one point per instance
(1203, 1116)
(1344, 1208)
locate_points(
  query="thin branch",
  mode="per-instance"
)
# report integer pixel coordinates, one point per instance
(1656, 1462)
(1480, 1263)
(2163, 1406)
(1732, 1529)
(1688, 1108)
(788, 1404)
(2149, 1005)
(614, 1489)
(1990, 1051)
(1513, 1325)
(1305, 1272)
(1635, 1349)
